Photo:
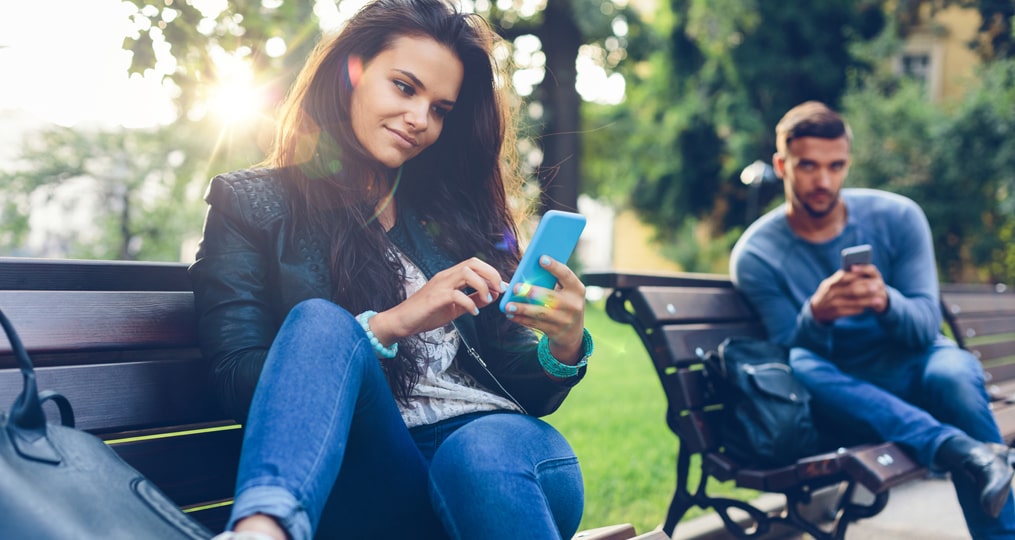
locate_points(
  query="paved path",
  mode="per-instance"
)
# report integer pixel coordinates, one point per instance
(924, 510)
(920, 510)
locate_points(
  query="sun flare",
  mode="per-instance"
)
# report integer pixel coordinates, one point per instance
(236, 98)
(236, 102)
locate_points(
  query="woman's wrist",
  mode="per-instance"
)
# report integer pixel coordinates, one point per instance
(366, 321)
(566, 354)
(553, 366)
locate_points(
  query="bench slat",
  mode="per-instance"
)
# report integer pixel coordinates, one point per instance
(973, 327)
(81, 321)
(990, 304)
(215, 518)
(192, 469)
(988, 352)
(684, 342)
(613, 280)
(778, 479)
(1001, 373)
(688, 387)
(695, 430)
(682, 305)
(17, 273)
(112, 397)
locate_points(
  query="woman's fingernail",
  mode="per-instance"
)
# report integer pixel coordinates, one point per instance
(503, 286)
(512, 308)
(475, 311)
(489, 297)
(544, 260)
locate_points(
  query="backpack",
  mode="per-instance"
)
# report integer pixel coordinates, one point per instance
(766, 415)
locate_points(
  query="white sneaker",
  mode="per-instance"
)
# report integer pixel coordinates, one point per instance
(244, 535)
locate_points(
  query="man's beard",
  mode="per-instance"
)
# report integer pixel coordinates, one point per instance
(813, 212)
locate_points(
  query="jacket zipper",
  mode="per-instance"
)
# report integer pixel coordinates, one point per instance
(475, 356)
(472, 352)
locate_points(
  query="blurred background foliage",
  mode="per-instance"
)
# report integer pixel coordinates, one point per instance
(705, 105)
(704, 82)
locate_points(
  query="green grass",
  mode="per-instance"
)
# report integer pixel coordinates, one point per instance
(615, 420)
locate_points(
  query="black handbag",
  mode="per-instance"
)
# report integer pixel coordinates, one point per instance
(766, 416)
(59, 483)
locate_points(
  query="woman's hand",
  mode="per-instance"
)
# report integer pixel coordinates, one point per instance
(441, 300)
(559, 313)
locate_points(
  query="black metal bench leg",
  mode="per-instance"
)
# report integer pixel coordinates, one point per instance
(682, 500)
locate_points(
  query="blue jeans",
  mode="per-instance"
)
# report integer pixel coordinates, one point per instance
(918, 400)
(326, 451)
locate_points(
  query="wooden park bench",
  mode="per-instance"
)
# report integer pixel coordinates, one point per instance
(981, 319)
(119, 340)
(679, 316)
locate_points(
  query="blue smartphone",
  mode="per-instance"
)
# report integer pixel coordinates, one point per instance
(556, 235)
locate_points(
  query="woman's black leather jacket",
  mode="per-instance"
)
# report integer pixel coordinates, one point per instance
(251, 269)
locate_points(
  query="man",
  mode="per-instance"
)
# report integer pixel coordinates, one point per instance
(866, 340)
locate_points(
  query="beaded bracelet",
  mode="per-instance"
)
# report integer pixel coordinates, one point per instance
(557, 368)
(384, 352)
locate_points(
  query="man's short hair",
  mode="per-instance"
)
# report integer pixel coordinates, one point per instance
(810, 119)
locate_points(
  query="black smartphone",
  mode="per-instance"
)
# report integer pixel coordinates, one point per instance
(856, 255)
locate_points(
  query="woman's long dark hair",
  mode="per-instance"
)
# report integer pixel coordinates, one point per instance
(460, 185)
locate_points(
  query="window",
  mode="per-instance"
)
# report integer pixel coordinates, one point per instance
(917, 65)
(922, 59)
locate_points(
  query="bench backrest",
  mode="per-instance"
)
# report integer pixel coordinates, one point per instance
(982, 318)
(119, 340)
(678, 320)
(681, 316)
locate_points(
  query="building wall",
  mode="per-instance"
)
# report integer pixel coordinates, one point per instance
(943, 42)
(633, 249)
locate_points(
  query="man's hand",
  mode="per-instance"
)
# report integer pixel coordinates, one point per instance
(850, 293)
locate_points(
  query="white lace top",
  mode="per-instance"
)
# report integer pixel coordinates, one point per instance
(444, 389)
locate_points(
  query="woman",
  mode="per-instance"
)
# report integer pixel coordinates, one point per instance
(347, 298)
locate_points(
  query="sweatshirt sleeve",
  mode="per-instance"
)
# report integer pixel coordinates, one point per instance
(913, 317)
(787, 319)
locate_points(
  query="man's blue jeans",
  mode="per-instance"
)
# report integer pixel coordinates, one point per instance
(918, 400)
(326, 451)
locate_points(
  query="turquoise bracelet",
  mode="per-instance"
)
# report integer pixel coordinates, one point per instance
(384, 352)
(557, 368)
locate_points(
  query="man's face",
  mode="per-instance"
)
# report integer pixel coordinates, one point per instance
(813, 171)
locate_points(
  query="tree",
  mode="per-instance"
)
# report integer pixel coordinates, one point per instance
(939, 156)
(271, 38)
(146, 184)
(705, 105)
(195, 47)
(243, 28)
(559, 175)
(565, 29)
(124, 186)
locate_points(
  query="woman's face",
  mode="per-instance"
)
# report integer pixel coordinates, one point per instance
(402, 96)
